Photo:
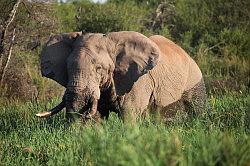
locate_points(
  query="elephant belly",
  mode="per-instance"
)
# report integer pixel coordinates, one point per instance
(166, 97)
(192, 102)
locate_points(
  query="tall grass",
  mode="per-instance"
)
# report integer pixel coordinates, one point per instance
(218, 138)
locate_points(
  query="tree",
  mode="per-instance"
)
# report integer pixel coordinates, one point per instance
(28, 29)
(4, 29)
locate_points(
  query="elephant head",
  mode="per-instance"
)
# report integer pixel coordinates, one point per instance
(89, 64)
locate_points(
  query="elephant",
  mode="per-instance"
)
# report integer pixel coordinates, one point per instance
(123, 72)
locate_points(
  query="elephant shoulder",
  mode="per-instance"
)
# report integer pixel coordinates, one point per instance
(130, 37)
(176, 60)
(169, 48)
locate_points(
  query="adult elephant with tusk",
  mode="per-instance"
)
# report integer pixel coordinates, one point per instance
(124, 72)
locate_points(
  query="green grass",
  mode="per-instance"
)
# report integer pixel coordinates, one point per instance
(222, 138)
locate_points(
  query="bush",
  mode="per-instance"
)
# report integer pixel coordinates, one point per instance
(218, 24)
(34, 22)
(18, 81)
(5, 8)
(67, 17)
(108, 17)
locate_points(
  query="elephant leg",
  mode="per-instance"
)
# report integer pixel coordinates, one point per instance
(128, 112)
(104, 105)
(134, 104)
(170, 111)
(195, 99)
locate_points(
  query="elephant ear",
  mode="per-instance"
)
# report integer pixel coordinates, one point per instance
(137, 55)
(54, 56)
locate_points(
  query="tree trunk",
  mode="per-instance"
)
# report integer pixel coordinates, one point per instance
(3, 49)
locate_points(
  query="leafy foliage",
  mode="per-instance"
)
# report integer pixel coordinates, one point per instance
(34, 22)
(5, 8)
(220, 23)
(110, 17)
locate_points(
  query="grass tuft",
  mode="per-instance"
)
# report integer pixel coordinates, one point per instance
(220, 138)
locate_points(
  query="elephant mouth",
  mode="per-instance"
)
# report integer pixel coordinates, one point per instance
(76, 101)
(90, 110)
(86, 112)
(81, 102)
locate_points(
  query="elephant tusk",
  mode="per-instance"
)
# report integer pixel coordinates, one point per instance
(43, 114)
(53, 111)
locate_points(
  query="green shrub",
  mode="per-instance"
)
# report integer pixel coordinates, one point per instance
(220, 23)
(67, 17)
(5, 8)
(108, 17)
(34, 22)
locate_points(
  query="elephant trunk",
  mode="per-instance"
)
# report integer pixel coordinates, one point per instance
(53, 111)
(93, 109)
(81, 101)
(82, 91)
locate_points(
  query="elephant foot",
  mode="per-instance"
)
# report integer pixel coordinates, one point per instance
(96, 118)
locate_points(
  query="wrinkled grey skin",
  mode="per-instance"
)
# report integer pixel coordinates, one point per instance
(124, 72)
(96, 69)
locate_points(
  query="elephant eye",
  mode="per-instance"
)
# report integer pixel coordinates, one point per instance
(98, 69)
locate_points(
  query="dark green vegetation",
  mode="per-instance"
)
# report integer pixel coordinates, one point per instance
(215, 33)
(221, 139)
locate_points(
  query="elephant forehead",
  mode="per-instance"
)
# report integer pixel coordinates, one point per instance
(79, 61)
(90, 39)
(94, 50)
